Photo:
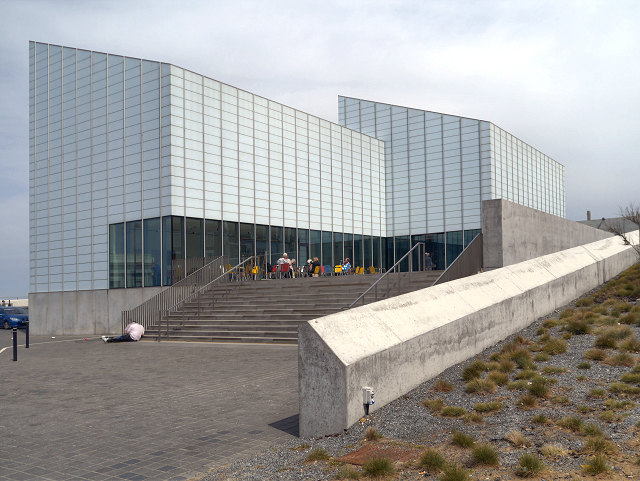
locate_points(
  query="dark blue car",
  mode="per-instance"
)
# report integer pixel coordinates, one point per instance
(12, 316)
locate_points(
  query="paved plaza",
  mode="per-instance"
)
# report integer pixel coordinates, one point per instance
(75, 409)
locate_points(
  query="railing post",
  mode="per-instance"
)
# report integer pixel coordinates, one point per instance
(26, 331)
(15, 344)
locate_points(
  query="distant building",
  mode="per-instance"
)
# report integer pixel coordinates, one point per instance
(134, 163)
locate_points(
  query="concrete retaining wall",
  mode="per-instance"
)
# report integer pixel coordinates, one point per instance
(514, 233)
(84, 312)
(396, 344)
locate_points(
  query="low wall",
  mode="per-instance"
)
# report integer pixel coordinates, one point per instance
(396, 344)
(514, 233)
(84, 312)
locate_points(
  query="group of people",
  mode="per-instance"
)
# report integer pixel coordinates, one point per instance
(312, 264)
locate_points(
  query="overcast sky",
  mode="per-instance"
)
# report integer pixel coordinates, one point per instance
(562, 76)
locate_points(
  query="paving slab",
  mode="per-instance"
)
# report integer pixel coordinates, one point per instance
(76, 409)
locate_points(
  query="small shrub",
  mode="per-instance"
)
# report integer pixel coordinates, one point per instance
(597, 392)
(567, 335)
(554, 370)
(624, 404)
(540, 331)
(474, 418)
(612, 417)
(631, 345)
(591, 429)
(442, 386)
(318, 454)
(481, 386)
(470, 372)
(549, 323)
(453, 472)
(542, 357)
(629, 319)
(617, 332)
(462, 439)
(577, 327)
(485, 454)
(347, 472)
(539, 419)
(538, 388)
(371, 434)
(553, 451)
(529, 465)
(631, 377)
(435, 405)
(545, 337)
(602, 342)
(572, 423)
(378, 467)
(619, 387)
(622, 359)
(453, 411)
(597, 464)
(516, 438)
(584, 409)
(498, 378)
(517, 385)
(525, 374)
(595, 355)
(555, 346)
(567, 313)
(581, 378)
(488, 407)
(506, 365)
(431, 460)
(584, 365)
(585, 302)
(561, 400)
(522, 357)
(598, 444)
(527, 401)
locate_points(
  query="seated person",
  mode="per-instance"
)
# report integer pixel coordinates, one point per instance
(315, 263)
(346, 267)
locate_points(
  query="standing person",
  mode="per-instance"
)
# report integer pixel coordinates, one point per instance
(133, 332)
(428, 263)
(346, 267)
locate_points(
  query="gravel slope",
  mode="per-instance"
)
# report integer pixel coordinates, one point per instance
(406, 422)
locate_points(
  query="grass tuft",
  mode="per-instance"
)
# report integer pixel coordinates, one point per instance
(318, 454)
(555, 346)
(529, 465)
(554, 370)
(592, 429)
(612, 416)
(527, 401)
(453, 411)
(538, 388)
(516, 438)
(485, 454)
(435, 405)
(498, 378)
(597, 393)
(598, 444)
(371, 434)
(631, 345)
(539, 419)
(553, 451)
(631, 377)
(474, 418)
(602, 342)
(481, 386)
(619, 387)
(622, 359)
(595, 355)
(488, 407)
(453, 472)
(624, 404)
(597, 464)
(432, 461)
(462, 439)
(443, 386)
(378, 467)
(572, 423)
(584, 365)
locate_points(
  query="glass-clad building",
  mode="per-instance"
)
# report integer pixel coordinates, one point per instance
(136, 163)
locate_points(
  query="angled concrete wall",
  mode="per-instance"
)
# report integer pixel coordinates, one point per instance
(84, 312)
(396, 344)
(514, 233)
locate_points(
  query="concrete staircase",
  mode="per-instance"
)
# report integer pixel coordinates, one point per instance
(270, 310)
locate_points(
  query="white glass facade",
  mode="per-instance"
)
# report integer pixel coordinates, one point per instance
(439, 168)
(134, 163)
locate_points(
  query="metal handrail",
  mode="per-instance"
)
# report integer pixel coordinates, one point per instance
(148, 311)
(226, 275)
(389, 271)
(466, 269)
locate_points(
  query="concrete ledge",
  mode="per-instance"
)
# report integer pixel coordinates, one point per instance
(514, 233)
(396, 344)
(84, 312)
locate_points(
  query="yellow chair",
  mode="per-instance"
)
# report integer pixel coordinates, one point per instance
(372, 270)
(316, 271)
(337, 269)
